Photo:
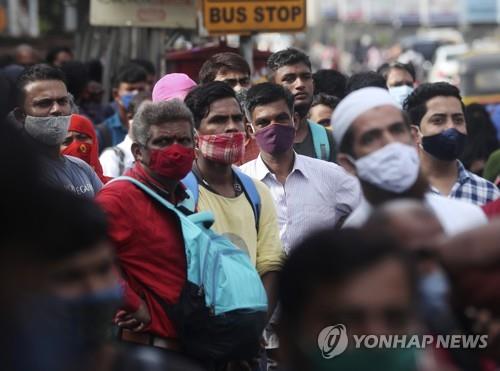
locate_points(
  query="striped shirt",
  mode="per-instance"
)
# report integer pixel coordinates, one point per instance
(316, 194)
(472, 188)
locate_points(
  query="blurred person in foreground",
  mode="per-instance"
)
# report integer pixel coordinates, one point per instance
(118, 159)
(291, 68)
(375, 143)
(481, 138)
(437, 116)
(416, 228)
(43, 114)
(58, 278)
(363, 284)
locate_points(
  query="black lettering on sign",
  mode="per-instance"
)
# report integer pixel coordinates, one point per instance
(295, 12)
(258, 14)
(242, 15)
(283, 14)
(214, 15)
(270, 11)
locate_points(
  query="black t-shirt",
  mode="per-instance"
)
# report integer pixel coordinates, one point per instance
(306, 147)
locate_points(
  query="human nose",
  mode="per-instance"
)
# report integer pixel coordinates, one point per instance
(56, 109)
(234, 125)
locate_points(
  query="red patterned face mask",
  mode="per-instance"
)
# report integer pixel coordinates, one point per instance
(81, 150)
(227, 148)
(173, 162)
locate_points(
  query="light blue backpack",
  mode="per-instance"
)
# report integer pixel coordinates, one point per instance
(222, 309)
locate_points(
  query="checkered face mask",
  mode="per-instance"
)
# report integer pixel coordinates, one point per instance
(227, 148)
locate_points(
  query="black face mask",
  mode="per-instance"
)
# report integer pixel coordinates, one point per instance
(445, 146)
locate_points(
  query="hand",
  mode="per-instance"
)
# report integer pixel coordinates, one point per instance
(136, 321)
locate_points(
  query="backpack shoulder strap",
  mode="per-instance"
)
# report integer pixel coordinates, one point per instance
(251, 193)
(191, 183)
(148, 191)
(320, 140)
(121, 158)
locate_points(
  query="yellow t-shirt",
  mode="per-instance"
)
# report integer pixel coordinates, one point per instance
(234, 218)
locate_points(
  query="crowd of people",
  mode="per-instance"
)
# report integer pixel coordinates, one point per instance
(223, 225)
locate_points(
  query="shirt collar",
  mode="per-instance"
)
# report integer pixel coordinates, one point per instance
(115, 121)
(262, 171)
(180, 193)
(463, 174)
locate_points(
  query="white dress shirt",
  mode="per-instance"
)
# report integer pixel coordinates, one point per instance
(110, 161)
(455, 216)
(316, 194)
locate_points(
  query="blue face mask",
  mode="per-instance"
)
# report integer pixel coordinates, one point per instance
(62, 330)
(400, 93)
(126, 99)
(445, 146)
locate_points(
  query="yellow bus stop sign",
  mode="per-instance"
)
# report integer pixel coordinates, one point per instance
(245, 16)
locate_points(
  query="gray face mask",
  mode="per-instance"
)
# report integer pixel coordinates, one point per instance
(50, 130)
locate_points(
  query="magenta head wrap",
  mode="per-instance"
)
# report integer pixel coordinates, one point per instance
(173, 85)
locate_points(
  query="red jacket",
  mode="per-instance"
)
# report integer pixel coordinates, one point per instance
(149, 247)
(492, 209)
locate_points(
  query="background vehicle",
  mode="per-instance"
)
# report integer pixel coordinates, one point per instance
(445, 67)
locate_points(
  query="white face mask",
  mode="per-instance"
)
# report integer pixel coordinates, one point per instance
(50, 130)
(394, 167)
(400, 93)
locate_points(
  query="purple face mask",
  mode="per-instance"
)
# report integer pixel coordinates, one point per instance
(275, 138)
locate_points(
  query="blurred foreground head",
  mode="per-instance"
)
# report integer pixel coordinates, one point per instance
(350, 278)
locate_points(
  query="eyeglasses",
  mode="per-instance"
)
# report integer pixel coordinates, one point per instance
(244, 81)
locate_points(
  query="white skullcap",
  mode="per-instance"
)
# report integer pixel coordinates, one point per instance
(354, 105)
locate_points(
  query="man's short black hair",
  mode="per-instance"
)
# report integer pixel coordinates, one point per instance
(201, 97)
(330, 82)
(37, 72)
(130, 73)
(364, 80)
(331, 258)
(222, 62)
(416, 103)
(76, 76)
(287, 57)
(326, 100)
(146, 64)
(266, 93)
(52, 54)
(387, 67)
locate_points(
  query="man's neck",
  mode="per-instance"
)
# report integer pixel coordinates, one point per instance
(52, 152)
(302, 131)
(441, 174)
(214, 173)
(168, 185)
(280, 164)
